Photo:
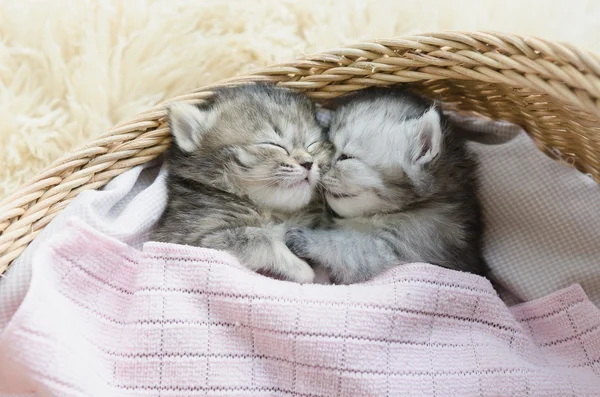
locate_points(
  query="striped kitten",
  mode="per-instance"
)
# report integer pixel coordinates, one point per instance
(242, 169)
(404, 188)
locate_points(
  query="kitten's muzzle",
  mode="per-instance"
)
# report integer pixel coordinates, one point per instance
(304, 159)
(307, 164)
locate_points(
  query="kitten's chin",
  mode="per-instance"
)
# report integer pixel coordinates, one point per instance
(283, 199)
(352, 206)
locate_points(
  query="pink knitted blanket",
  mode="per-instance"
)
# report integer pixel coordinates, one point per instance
(103, 319)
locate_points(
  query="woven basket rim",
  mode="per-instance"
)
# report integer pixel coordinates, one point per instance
(561, 72)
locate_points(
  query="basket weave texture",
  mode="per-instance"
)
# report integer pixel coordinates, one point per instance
(551, 89)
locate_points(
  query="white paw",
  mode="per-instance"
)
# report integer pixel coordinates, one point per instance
(299, 271)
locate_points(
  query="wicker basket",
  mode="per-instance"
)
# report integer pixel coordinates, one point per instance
(551, 89)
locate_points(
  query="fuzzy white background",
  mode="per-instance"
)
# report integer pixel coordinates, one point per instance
(70, 69)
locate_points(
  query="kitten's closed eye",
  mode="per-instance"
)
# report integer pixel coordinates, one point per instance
(312, 146)
(276, 145)
(344, 156)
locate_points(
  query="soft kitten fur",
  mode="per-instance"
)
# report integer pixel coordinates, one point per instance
(404, 189)
(241, 166)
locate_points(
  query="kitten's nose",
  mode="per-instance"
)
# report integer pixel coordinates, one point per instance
(306, 164)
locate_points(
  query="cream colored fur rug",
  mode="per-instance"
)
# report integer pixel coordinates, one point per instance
(70, 69)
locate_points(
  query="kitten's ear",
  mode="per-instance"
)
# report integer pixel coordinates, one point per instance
(426, 143)
(323, 116)
(188, 124)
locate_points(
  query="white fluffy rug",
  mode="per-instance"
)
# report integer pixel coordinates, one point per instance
(70, 69)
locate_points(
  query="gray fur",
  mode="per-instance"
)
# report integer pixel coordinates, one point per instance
(404, 188)
(232, 188)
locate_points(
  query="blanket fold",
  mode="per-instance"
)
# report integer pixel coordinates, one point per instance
(104, 319)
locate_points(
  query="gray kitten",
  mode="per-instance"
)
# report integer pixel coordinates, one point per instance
(403, 187)
(243, 168)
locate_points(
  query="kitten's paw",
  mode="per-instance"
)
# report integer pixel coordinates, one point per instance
(300, 272)
(296, 239)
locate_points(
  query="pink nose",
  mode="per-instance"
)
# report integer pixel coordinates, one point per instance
(307, 165)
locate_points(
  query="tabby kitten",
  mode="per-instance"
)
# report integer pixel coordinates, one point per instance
(403, 187)
(243, 168)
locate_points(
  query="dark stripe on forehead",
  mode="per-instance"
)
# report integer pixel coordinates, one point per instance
(276, 128)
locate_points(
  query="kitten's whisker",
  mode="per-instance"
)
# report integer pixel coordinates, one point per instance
(267, 185)
(257, 178)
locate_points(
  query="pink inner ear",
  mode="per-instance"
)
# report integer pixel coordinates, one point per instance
(425, 144)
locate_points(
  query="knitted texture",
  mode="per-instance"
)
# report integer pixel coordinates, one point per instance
(104, 319)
